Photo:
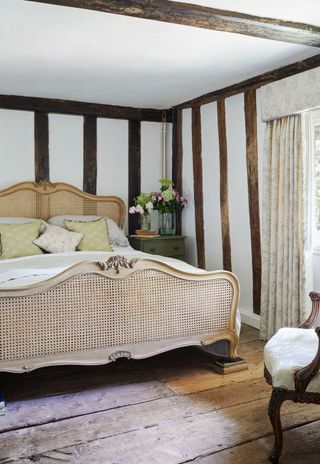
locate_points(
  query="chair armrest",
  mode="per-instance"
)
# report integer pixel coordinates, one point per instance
(304, 376)
(311, 322)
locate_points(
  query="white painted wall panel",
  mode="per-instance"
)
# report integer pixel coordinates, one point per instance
(188, 221)
(151, 161)
(238, 198)
(66, 149)
(16, 147)
(211, 186)
(112, 158)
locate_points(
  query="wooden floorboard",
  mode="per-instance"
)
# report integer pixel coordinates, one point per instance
(169, 409)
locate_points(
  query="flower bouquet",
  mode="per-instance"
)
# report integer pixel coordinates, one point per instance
(143, 205)
(168, 201)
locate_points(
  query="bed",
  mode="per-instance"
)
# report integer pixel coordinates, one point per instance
(95, 307)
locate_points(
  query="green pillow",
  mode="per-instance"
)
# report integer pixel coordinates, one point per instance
(16, 239)
(95, 234)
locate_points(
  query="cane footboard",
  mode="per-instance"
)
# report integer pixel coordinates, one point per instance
(94, 314)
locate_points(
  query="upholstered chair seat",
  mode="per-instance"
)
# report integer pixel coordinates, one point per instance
(287, 352)
(292, 367)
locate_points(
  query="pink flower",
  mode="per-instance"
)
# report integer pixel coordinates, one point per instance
(132, 210)
(184, 201)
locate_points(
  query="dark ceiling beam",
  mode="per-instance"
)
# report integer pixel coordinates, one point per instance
(253, 82)
(188, 14)
(50, 105)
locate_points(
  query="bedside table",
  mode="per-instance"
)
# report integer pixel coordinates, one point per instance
(165, 245)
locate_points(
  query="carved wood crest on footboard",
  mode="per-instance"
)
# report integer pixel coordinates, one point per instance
(97, 312)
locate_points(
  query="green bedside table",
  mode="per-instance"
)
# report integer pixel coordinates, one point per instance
(164, 245)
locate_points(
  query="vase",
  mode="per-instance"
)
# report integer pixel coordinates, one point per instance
(167, 223)
(145, 221)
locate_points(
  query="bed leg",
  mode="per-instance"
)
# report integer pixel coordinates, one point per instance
(225, 357)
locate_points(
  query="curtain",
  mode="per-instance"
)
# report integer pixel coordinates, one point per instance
(284, 226)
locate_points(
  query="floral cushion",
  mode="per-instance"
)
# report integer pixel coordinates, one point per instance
(58, 240)
(95, 235)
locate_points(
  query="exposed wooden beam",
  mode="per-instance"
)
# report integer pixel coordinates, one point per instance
(50, 105)
(177, 159)
(254, 82)
(250, 107)
(134, 168)
(224, 206)
(198, 185)
(188, 14)
(90, 154)
(41, 146)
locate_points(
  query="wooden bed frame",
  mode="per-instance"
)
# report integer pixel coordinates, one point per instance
(97, 312)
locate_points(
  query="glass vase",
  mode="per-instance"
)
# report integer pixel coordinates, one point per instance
(145, 221)
(167, 223)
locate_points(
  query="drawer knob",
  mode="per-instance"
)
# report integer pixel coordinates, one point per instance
(176, 248)
(152, 249)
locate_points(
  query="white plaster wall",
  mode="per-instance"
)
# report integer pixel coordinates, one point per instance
(238, 198)
(188, 221)
(66, 149)
(16, 147)
(211, 186)
(112, 158)
(151, 161)
(66, 152)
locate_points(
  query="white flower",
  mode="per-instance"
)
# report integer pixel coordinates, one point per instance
(149, 206)
(132, 210)
(139, 209)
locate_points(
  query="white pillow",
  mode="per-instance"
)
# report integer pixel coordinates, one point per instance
(21, 220)
(58, 240)
(117, 236)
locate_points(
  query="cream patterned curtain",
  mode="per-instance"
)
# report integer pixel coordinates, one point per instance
(284, 227)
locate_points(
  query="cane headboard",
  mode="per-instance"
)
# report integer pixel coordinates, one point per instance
(44, 200)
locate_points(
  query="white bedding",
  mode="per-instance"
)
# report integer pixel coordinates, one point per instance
(29, 270)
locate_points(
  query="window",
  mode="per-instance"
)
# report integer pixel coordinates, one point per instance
(315, 146)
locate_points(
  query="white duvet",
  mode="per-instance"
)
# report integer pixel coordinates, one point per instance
(33, 269)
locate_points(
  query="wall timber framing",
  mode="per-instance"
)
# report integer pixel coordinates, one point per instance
(224, 197)
(51, 105)
(177, 159)
(198, 185)
(254, 82)
(90, 154)
(250, 110)
(41, 147)
(134, 164)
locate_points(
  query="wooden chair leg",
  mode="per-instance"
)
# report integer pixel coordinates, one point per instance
(277, 398)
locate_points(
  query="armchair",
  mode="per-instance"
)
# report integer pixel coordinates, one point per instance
(291, 367)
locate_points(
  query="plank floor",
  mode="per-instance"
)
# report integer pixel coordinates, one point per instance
(169, 409)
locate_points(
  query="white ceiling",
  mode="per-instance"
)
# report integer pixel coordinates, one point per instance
(68, 53)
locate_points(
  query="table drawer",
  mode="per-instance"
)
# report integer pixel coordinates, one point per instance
(165, 247)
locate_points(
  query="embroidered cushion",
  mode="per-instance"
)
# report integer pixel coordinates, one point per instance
(58, 240)
(17, 239)
(117, 236)
(95, 235)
